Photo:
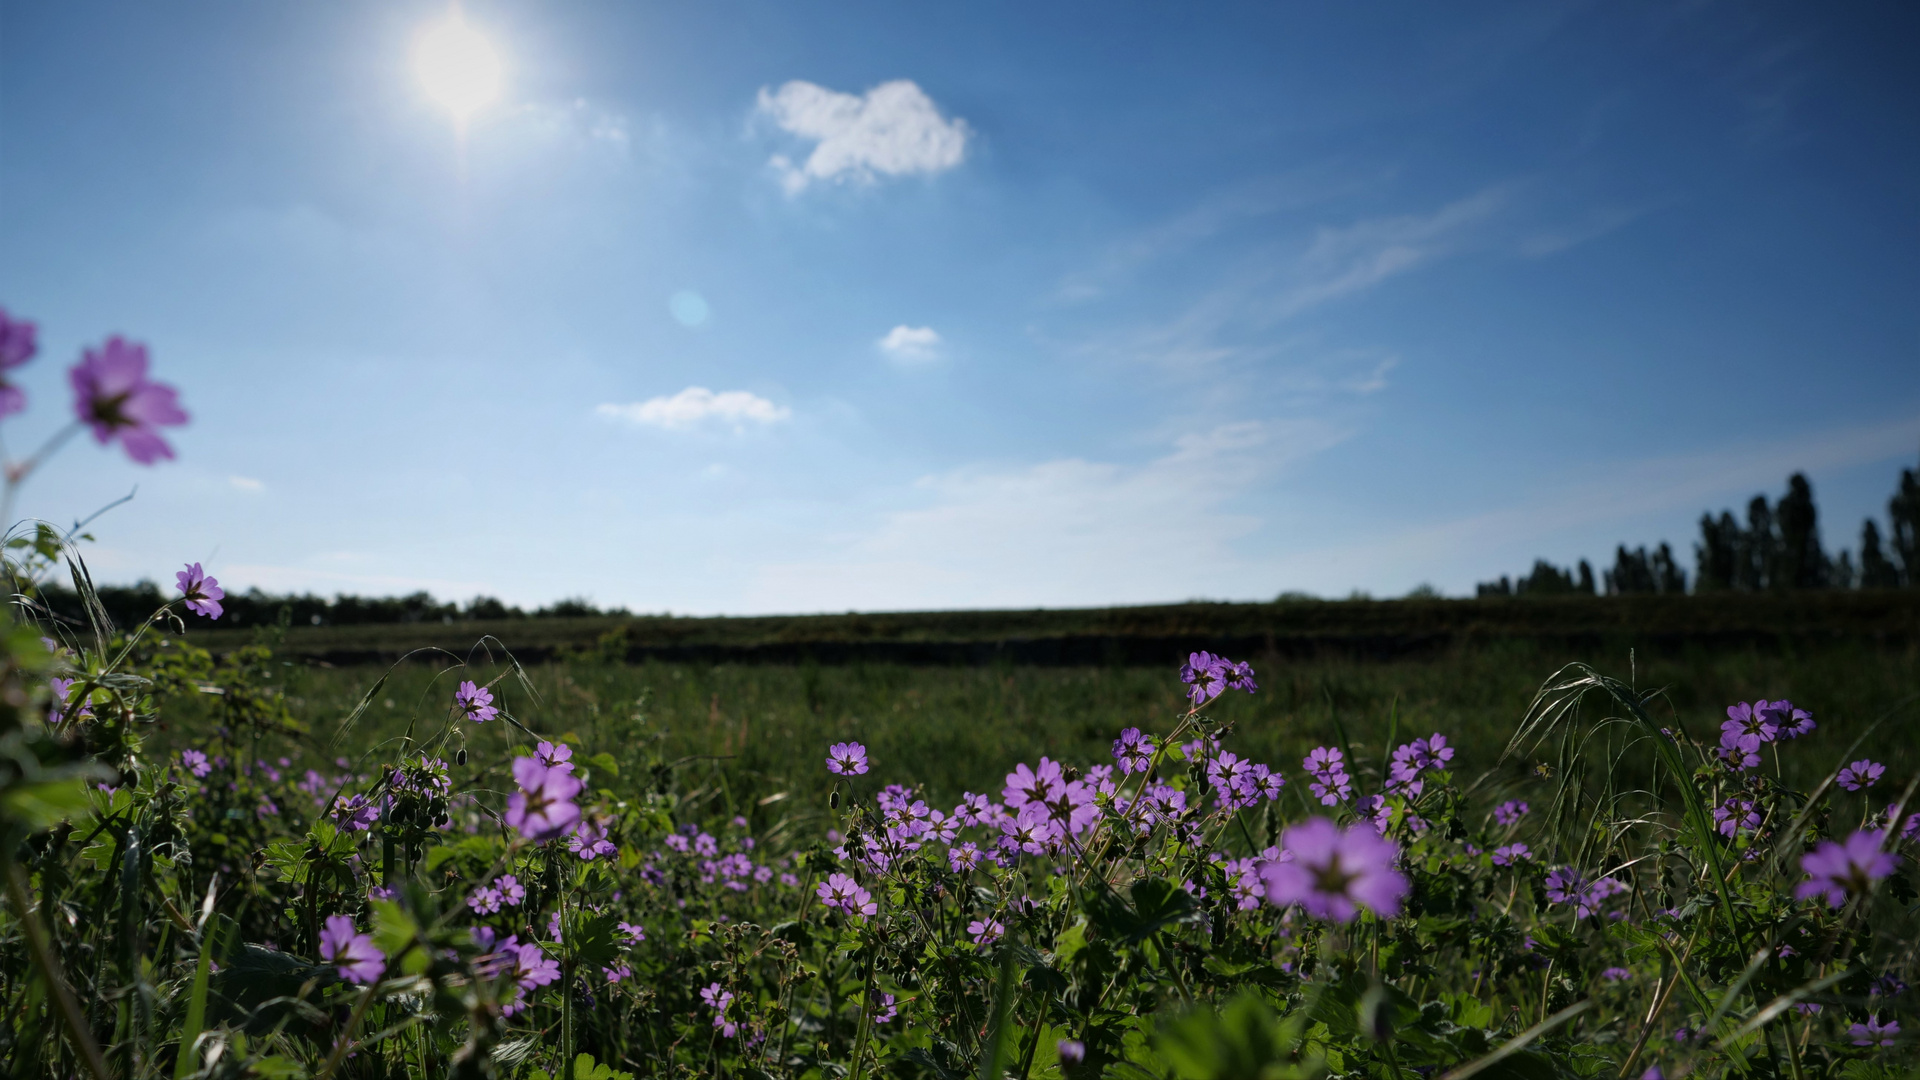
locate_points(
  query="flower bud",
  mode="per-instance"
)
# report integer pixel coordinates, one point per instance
(833, 801)
(460, 756)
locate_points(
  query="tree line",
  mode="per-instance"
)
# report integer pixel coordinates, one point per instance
(126, 605)
(1776, 548)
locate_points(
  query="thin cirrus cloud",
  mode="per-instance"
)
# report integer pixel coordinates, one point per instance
(697, 406)
(911, 344)
(894, 129)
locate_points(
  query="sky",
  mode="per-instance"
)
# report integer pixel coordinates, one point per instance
(762, 307)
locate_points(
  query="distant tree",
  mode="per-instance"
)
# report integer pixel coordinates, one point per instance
(1716, 558)
(1799, 562)
(1632, 572)
(1756, 554)
(1546, 579)
(1667, 575)
(1903, 513)
(1845, 576)
(1876, 572)
(1502, 587)
(1585, 584)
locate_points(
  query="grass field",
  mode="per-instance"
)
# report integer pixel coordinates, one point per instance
(955, 728)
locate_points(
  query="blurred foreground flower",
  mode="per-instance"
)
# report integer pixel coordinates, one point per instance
(352, 952)
(1837, 871)
(542, 809)
(1335, 872)
(114, 397)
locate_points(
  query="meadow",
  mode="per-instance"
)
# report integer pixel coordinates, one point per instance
(760, 728)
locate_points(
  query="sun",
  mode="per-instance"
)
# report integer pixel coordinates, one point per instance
(458, 67)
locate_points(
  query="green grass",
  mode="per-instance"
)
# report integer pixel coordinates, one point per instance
(961, 728)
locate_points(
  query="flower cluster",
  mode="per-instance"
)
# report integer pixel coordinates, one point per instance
(1207, 676)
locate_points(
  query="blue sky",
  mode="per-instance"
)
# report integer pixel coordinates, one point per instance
(736, 307)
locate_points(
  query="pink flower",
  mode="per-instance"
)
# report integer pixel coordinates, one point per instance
(985, 931)
(1025, 785)
(1335, 872)
(113, 396)
(1837, 871)
(202, 593)
(195, 762)
(555, 755)
(351, 952)
(484, 901)
(475, 702)
(542, 809)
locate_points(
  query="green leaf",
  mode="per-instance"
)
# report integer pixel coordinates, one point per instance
(585, 1069)
(45, 804)
(394, 932)
(605, 761)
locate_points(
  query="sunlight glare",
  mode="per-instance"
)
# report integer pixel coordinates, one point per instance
(458, 67)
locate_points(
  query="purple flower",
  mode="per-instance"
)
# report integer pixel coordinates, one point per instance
(511, 891)
(1328, 769)
(1874, 1033)
(484, 900)
(884, 1009)
(1861, 774)
(532, 967)
(195, 762)
(113, 396)
(474, 703)
(1334, 872)
(554, 755)
(1071, 1051)
(1414, 758)
(1133, 750)
(1736, 815)
(1789, 722)
(963, 857)
(351, 952)
(202, 593)
(542, 809)
(61, 689)
(1512, 855)
(634, 933)
(985, 931)
(1239, 676)
(18, 343)
(1836, 871)
(1205, 675)
(1509, 812)
(1025, 785)
(716, 998)
(1566, 885)
(358, 813)
(847, 759)
(616, 973)
(841, 891)
(589, 840)
(1615, 974)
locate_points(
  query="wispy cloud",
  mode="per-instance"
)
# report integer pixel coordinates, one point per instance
(697, 405)
(247, 484)
(1066, 531)
(911, 344)
(1345, 260)
(894, 129)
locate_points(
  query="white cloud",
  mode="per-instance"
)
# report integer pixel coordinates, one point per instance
(247, 484)
(1067, 531)
(911, 344)
(696, 405)
(895, 129)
